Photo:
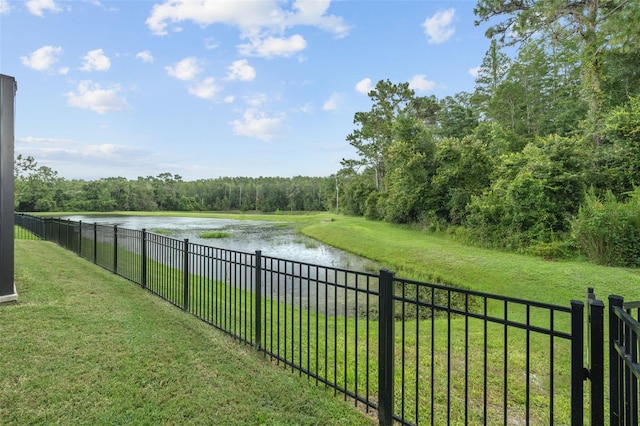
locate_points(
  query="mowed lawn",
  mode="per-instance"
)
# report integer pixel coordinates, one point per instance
(83, 346)
(439, 258)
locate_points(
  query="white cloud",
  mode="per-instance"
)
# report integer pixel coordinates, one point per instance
(306, 108)
(145, 56)
(314, 13)
(186, 69)
(439, 27)
(206, 89)
(206, 12)
(364, 86)
(331, 103)
(43, 58)
(96, 60)
(94, 96)
(5, 7)
(210, 43)
(63, 70)
(419, 82)
(256, 99)
(270, 47)
(107, 149)
(258, 125)
(46, 141)
(251, 16)
(229, 99)
(37, 7)
(474, 71)
(241, 70)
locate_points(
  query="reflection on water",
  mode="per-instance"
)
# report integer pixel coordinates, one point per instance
(274, 239)
(300, 285)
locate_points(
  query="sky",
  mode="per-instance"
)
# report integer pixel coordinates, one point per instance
(214, 88)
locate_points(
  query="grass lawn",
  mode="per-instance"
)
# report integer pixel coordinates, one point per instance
(439, 258)
(433, 257)
(83, 346)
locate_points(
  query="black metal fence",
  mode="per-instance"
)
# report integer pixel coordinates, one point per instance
(624, 364)
(412, 352)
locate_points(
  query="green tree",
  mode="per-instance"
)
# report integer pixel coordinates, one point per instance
(457, 116)
(589, 22)
(618, 159)
(493, 71)
(463, 170)
(410, 160)
(373, 134)
(534, 195)
(35, 187)
(539, 95)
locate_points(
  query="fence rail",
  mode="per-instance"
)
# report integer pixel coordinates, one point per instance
(414, 352)
(624, 346)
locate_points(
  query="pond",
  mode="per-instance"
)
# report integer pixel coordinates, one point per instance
(274, 239)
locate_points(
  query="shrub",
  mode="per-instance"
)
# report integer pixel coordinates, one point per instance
(557, 249)
(533, 197)
(608, 231)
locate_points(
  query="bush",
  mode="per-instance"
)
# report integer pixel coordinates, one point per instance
(608, 231)
(533, 197)
(558, 249)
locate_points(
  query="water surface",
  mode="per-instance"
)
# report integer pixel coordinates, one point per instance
(274, 239)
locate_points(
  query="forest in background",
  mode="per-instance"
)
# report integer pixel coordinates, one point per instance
(543, 157)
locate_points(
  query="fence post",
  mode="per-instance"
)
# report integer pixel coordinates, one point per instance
(115, 249)
(95, 242)
(80, 238)
(185, 275)
(258, 301)
(595, 318)
(615, 369)
(386, 341)
(577, 363)
(144, 258)
(68, 236)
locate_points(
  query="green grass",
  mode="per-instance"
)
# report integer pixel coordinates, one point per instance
(334, 348)
(83, 346)
(438, 258)
(434, 257)
(214, 234)
(20, 233)
(161, 231)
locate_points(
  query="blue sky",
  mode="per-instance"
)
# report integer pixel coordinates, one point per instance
(208, 88)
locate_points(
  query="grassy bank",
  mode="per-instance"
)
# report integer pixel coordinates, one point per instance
(83, 346)
(433, 257)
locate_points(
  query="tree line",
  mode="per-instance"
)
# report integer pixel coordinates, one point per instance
(38, 188)
(542, 157)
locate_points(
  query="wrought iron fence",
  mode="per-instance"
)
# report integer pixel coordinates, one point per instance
(624, 346)
(413, 352)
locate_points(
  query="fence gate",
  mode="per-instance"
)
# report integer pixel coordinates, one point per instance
(624, 368)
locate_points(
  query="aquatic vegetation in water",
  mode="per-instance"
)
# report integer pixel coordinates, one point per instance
(161, 231)
(214, 234)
